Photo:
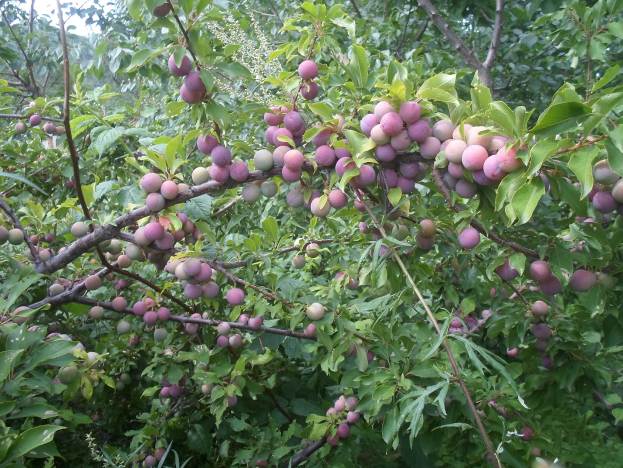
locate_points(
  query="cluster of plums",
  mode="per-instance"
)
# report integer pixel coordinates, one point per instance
(308, 70)
(470, 323)
(13, 236)
(35, 120)
(193, 89)
(475, 156)
(222, 168)
(195, 275)
(235, 341)
(607, 194)
(344, 411)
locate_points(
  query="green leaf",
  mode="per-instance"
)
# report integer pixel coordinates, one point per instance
(439, 340)
(610, 74)
(359, 65)
(140, 57)
(10, 175)
(359, 143)
(504, 117)
(271, 227)
(560, 117)
(526, 199)
(30, 440)
(7, 362)
(107, 139)
(394, 195)
(507, 188)
(540, 152)
(439, 87)
(321, 109)
(581, 163)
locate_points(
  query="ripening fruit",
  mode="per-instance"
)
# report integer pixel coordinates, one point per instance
(20, 127)
(385, 153)
(315, 311)
(430, 147)
(419, 131)
(508, 160)
(541, 331)
(617, 191)
(191, 97)
(427, 228)
(474, 157)
(34, 120)
(96, 312)
(268, 188)
(442, 130)
(410, 111)
(454, 151)
(93, 282)
(298, 261)
(219, 174)
(506, 271)
(290, 175)
(235, 341)
(239, 171)
(154, 202)
(352, 417)
(235, 296)
(256, 322)
(309, 90)
(391, 123)
(312, 250)
(308, 69)
(206, 143)
(378, 135)
(512, 352)
(320, 207)
(221, 156)
(475, 136)
(604, 202)
(540, 271)
(366, 176)
(119, 303)
(151, 182)
(293, 160)
(325, 156)
(282, 137)
(551, 286)
(263, 160)
(382, 108)
(343, 430)
(582, 280)
(232, 401)
(162, 10)
(123, 327)
(251, 192)
(401, 141)
(222, 341)
(310, 330)
(184, 68)
(15, 236)
(56, 289)
(337, 199)
(465, 189)
(539, 308)
(367, 123)
(469, 238)
(153, 231)
(293, 121)
(193, 291)
(194, 83)
(169, 190)
(49, 128)
(604, 174)
(150, 318)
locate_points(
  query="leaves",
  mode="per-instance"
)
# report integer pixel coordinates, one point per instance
(581, 163)
(440, 88)
(558, 118)
(30, 440)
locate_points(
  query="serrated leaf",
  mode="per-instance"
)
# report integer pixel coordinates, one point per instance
(581, 163)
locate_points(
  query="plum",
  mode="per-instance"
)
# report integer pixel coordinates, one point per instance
(582, 280)
(315, 311)
(410, 112)
(474, 157)
(308, 69)
(540, 271)
(184, 67)
(469, 238)
(235, 296)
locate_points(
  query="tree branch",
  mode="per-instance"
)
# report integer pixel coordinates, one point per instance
(185, 33)
(307, 452)
(496, 36)
(199, 321)
(31, 74)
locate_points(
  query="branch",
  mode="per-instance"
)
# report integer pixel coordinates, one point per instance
(496, 36)
(234, 279)
(185, 33)
(199, 321)
(491, 455)
(476, 225)
(15, 220)
(404, 30)
(21, 116)
(307, 452)
(356, 8)
(455, 41)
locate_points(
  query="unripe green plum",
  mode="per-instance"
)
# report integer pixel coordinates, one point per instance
(617, 191)
(206, 389)
(4, 235)
(56, 289)
(427, 227)
(93, 282)
(312, 250)
(79, 229)
(96, 312)
(15, 236)
(604, 174)
(160, 334)
(263, 160)
(251, 192)
(298, 261)
(68, 374)
(320, 207)
(123, 327)
(315, 311)
(268, 188)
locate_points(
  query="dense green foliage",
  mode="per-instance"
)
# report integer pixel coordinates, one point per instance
(546, 381)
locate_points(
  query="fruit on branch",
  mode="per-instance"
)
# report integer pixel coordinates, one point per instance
(15, 236)
(474, 157)
(527, 433)
(541, 331)
(308, 69)
(151, 182)
(582, 280)
(539, 308)
(512, 352)
(410, 112)
(34, 120)
(239, 171)
(183, 69)
(551, 286)
(160, 334)
(169, 189)
(96, 312)
(55, 289)
(315, 311)
(325, 156)
(367, 123)
(192, 97)
(604, 202)
(469, 238)
(49, 128)
(79, 229)
(251, 192)
(263, 160)
(235, 296)
(92, 282)
(123, 327)
(419, 131)
(603, 174)
(320, 207)
(540, 271)
(68, 374)
(309, 90)
(162, 10)
(20, 127)
(506, 271)
(154, 202)
(119, 303)
(337, 198)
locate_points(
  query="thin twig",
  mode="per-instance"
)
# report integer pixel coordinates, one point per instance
(189, 46)
(307, 452)
(31, 74)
